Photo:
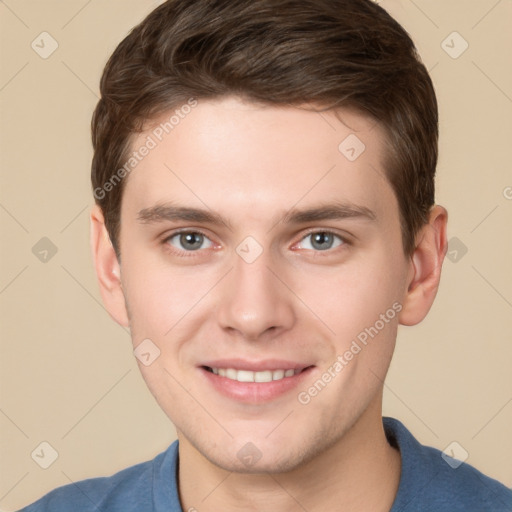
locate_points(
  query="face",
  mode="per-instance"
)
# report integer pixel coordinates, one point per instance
(262, 256)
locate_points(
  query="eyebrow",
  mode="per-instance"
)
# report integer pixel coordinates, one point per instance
(330, 211)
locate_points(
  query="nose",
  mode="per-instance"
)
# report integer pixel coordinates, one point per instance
(254, 303)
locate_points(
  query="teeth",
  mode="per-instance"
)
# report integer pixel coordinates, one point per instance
(240, 375)
(266, 376)
(248, 376)
(277, 374)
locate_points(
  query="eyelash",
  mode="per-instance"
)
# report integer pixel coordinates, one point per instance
(188, 254)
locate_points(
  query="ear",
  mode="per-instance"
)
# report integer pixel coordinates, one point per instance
(426, 263)
(107, 268)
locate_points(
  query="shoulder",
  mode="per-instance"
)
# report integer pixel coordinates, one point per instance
(430, 480)
(128, 490)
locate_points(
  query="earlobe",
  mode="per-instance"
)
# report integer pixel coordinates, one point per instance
(426, 264)
(107, 269)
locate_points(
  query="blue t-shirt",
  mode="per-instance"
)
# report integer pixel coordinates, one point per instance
(427, 484)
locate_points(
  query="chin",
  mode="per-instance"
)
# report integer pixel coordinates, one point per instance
(269, 463)
(263, 455)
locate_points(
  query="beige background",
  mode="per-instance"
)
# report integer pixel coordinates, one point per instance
(68, 376)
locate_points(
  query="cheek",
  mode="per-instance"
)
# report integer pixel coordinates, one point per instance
(158, 297)
(352, 297)
(360, 303)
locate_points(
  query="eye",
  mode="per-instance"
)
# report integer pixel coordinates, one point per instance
(189, 241)
(321, 241)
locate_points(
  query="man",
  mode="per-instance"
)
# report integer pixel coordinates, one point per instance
(265, 219)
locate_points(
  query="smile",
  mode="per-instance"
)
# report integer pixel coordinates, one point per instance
(255, 382)
(251, 376)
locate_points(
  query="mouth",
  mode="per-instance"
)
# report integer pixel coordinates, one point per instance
(254, 383)
(254, 376)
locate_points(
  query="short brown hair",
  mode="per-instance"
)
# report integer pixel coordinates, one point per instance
(330, 53)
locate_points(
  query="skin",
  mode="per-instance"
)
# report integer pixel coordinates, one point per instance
(252, 164)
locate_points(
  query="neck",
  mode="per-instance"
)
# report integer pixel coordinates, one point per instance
(360, 472)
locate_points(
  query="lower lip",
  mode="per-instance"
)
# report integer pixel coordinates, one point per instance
(255, 392)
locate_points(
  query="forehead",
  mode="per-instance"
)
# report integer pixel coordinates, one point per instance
(235, 156)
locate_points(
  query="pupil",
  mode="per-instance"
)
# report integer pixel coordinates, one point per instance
(321, 240)
(191, 240)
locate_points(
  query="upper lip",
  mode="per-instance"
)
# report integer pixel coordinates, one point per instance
(256, 366)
